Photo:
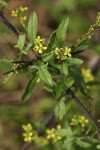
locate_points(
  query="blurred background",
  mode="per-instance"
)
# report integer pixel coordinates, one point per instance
(13, 112)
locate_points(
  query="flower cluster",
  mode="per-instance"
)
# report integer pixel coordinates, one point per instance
(79, 121)
(50, 134)
(98, 19)
(20, 12)
(29, 134)
(87, 75)
(62, 53)
(39, 47)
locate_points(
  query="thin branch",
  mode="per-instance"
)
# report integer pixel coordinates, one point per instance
(84, 109)
(9, 25)
(23, 65)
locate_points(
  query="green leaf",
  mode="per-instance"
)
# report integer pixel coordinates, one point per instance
(27, 48)
(44, 74)
(69, 143)
(7, 78)
(47, 57)
(64, 68)
(21, 42)
(75, 61)
(55, 66)
(58, 90)
(82, 143)
(64, 132)
(69, 83)
(32, 27)
(29, 88)
(69, 140)
(62, 29)
(47, 88)
(60, 110)
(81, 47)
(52, 41)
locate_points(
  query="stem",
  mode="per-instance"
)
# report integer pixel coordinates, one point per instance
(9, 25)
(83, 108)
(24, 65)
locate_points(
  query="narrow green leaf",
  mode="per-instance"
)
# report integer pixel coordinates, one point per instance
(52, 41)
(75, 61)
(32, 27)
(82, 143)
(27, 48)
(7, 78)
(45, 74)
(54, 65)
(21, 42)
(58, 90)
(64, 132)
(64, 68)
(62, 29)
(47, 88)
(81, 47)
(69, 140)
(69, 83)
(47, 57)
(29, 88)
(60, 110)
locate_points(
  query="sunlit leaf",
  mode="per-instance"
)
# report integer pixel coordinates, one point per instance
(21, 42)
(82, 143)
(32, 26)
(62, 29)
(75, 61)
(44, 74)
(60, 110)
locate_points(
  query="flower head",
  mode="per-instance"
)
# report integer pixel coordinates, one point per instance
(50, 134)
(29, 134)
(87, 74)
(79, 121)
(62, 53)
(20, 12)
(39, 47)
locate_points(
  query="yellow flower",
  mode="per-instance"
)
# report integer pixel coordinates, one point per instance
(38, 80)
(79, 120)
(29, 134)
(39, 40)
(20, 12)
(87, 74)
(50, 134)
(39, 47)
(13, 13)
(58, 126)
(62, 53)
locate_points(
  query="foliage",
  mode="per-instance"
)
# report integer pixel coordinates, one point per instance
(56, 67)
